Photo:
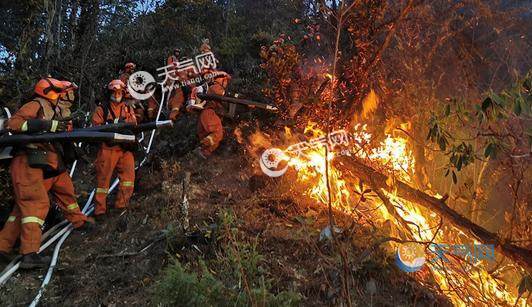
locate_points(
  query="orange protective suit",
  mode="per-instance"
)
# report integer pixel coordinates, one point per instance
(210, 129)
(138, 110)
(31, 185)
(173, 61)
(177, 72)
(153, 107)
(111, 157)
(124, 77)
(136, 104)
(177, 79)
(175, 101)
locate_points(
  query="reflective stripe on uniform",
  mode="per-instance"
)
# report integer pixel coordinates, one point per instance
(11, 218)
(32, 219)
(127, 183)
(54, 126)
(24, 127)
(102, 190)
(72, 206)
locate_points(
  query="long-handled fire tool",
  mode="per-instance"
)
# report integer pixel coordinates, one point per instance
(249, 103)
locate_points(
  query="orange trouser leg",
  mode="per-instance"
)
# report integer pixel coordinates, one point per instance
(105, 164)
(209, 124)
(32, 201)
(175, 101)
(11, 231)
(62, 189)
(126, 172)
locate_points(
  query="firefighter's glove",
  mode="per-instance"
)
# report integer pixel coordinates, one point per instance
(41, 125)
(207, 141)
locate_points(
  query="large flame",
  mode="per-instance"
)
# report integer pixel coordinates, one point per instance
(463, 282)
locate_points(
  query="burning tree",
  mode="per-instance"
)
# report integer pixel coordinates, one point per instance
(393, 72)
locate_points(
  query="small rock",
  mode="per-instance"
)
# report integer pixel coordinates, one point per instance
(145, 220)
(326, 234)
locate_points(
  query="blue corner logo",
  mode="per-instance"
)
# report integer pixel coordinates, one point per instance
(410, 257)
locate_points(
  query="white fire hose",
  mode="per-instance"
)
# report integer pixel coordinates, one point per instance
(63, 234)
(87, 210)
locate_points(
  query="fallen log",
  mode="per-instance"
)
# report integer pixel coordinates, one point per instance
(352, 168)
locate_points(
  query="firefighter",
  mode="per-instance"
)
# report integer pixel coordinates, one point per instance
(38, 169)
(210, 129)
(153, 106)
(70, 211)
(138, 107)
(205, 46)
(127, 71)
(175, 101)
(174, 84)
(112, 156)
(174, 58)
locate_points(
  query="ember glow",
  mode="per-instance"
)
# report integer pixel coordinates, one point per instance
(464, 281)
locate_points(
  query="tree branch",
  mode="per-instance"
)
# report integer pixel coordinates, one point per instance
(352, 169)
(391, 33)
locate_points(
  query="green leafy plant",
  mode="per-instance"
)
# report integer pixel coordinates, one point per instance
(235, 277)
(490, 123)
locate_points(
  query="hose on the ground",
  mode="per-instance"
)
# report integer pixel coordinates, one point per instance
(87, 210)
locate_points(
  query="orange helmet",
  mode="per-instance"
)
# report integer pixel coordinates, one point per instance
(130, 65)
(49, 88)
(116, 85)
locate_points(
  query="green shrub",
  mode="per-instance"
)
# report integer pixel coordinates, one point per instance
(239, 279)
(179, 287)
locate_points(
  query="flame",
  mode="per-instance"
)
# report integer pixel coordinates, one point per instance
(259, 140)
(287, 132)
(312, 128)
(476, 287)
(369, 104)
(238, 135)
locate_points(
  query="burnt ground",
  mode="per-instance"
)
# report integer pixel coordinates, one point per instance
(106, 267)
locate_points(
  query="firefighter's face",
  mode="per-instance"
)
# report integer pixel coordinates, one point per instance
(68, 96)
(116, 95)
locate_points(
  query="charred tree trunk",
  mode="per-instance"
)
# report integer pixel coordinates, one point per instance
(72, 20)
(54, 16)
(87, 26)
(355, 169)
(85, 36)
(24, 65)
